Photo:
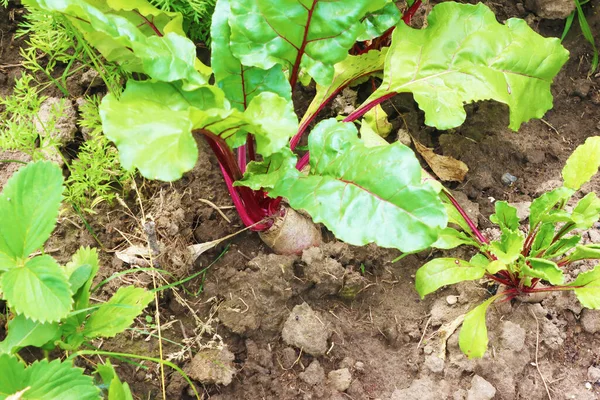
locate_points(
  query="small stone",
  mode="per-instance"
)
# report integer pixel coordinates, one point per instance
(588, 386)
(340, 379)
(593, 374)
(590, 320)
(212, 366)
(508, 179)
(451, 299)
(359, 366)
(347, 362)
(314, 374)
(522, 209)
(595, 97)
(434, 363)
(304, 329)
(404, 137)
(535, 156)
(581, 88)
(480, 389)
(551, 9)
(90, 79)
(513, 336)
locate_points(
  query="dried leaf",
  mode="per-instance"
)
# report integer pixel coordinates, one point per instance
(444, 167)
(197, 249)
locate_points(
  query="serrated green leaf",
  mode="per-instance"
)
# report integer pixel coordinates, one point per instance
(445, 271)
(85, 259)
(505, 216)
(46, 380)
(562, 246)
(118, 313)
(450, 238)
(311, 34)
(508, 248)
(240, 83)
(582, 164)
(473, 339)
(29, 206)
(465, 55)
(587, 288)
(342, 191)
(24, 332)
(543, 239)
(116, 389)
(376, 22)
(543, 269)
(586, 212)
(495, 266)
(122, 33)
(546, 203)
(587, 252)
(346, 72)
(39, 290)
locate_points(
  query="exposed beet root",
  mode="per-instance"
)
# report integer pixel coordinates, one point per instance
(291, 233)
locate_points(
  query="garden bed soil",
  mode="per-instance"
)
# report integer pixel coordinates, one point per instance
(364, 331)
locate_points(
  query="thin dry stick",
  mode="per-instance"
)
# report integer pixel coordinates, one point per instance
(537, 347)
(424, 332)
(217, 208)
(157, 313)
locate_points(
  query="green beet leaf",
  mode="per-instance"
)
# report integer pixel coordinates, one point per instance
(546, 204)
(562, 246)
(39, 290)
(586, 212)
(473, 338)
(445, 271)
(582, 164)
(29, 207)
(122, 32)
(465, 55)
(543, 269)
(46, 380)
(118, 313)
(450, 238)
(587, 288)
(378, 21)
(308, 34)
(508, 248)
(25, 332)
(543, 239)
(350, 183)
(240, 83)
(587, 252)
(505, 216)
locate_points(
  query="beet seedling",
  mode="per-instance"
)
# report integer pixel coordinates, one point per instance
(261, 51)
(523, 257)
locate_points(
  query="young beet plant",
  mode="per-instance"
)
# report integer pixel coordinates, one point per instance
(362, 190)
(522, 258)
(49, 305)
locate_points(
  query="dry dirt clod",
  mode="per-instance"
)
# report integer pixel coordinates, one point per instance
(212, 366)
(551, 9)
(513, 336)
(434, 363)
(340, 379)
(62, 128)
(593, 374)
(305, 330)
(314, 374)
(480, 389)
(590, 320)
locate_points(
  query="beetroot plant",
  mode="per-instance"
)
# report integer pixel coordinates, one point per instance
(262, 51)
(529, 259)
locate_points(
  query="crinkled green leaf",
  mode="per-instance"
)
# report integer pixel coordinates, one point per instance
(25, 332)
(505, 216)
(543, 269)
(29, 205)
(586, 212)
(546, 203)
(465, 55)
(39, 290)
(269, 173)
(508, 248)
(378, 21)
(346, 72)
(561, 246)
(54, 380)
(587, 288)
(543, 239)
(122, 33)
(350, 183)
(445, 271)
(582, 164)
(450, 238)
(473, 338)
(118, 313)
(311, 34)
(240, 83)
(587, 252)
(116, 389)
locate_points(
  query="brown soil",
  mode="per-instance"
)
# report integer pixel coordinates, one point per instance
(367, 310)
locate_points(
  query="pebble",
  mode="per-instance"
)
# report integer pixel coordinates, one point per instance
(480, 389)
(452, 299)
(314, 374)
(340, 379)
(508, 179)
(593, 374)
(590, 320)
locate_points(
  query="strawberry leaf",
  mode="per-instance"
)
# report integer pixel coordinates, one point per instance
(25, 332)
